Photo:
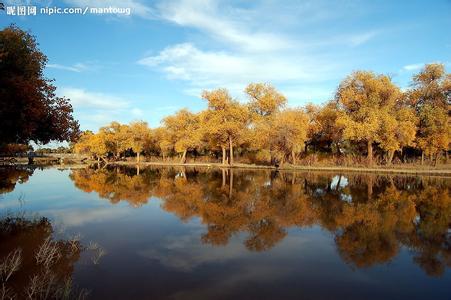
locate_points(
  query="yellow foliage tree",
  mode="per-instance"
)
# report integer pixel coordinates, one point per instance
(289, 133)
(93, 144)
(430, 98)
(117, 136)
(264, 99)
(184, 130)
(367, 104)
(225, 120)
(137, 137)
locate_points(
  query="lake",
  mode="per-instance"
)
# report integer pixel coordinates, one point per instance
(199, 233)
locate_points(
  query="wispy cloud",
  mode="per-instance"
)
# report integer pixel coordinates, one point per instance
(95, 109)
(78, 67)
(223, 25)
(413, 67)
(81, 99)
(205, 69)
(361, 38)
(79, 217)
(238, 46)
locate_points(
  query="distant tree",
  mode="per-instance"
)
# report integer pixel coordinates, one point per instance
(264, 99)
(29, 108)
(264, 103)
(225, 120)
(138, 135)
(323, 129)
(117, 137)
(289, 133)
(184, 130)
(93, 144)
(430, 96)
(397, 129)
(367, 104)
(161, 140)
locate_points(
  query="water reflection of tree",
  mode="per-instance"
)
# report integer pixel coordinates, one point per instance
(114, 186)
(43, 266)
(371, 216)
(10, 176)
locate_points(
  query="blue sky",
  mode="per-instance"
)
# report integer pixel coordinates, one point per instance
(159, 59)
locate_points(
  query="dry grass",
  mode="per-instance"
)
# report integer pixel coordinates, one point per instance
(98, 252)
(47, 257)
(45, 285)
(10, 264)
(48, 254)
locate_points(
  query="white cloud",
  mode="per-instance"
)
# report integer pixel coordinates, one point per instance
(254, 44)
(413, 67)
(361, 38)
(206, 69)
(137, 8)
(94, 109)
(136, 112)
(206, 16)
(79, 217)
(81, 99)
(78, 67)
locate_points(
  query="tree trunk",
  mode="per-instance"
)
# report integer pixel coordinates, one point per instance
(183, 160)
(223, 155)
(437, 158)
(163, 156)
(370, 187)
(137, 170)
(293, 155)
(137, 157)
(231, 150)
(370, 152)
(231, 183)
(391, 153)
(223, 178)
(337, 144)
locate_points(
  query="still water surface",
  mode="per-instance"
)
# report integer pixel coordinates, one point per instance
(184, 233)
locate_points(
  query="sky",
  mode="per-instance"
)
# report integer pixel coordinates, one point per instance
(158, 59)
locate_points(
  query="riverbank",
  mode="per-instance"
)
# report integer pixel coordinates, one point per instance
(444, 170)
(420, 170)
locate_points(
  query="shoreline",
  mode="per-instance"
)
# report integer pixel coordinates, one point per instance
(385, 170)
(443, 170)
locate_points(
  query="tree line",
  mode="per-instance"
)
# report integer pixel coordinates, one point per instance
(369, 114)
